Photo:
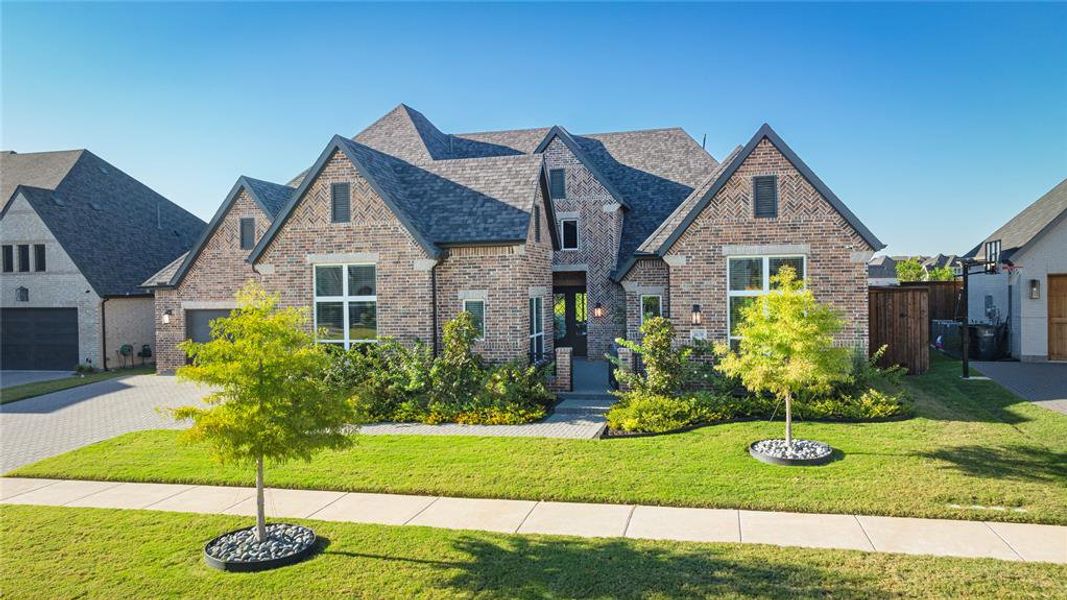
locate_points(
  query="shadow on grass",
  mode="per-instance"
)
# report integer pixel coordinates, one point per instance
(521, 567)
(1015, 462)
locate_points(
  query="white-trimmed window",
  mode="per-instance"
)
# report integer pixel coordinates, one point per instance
(346, 304)
(651, 306)
(537, 328)
(748, 277)
(477, 310)
(569, 238)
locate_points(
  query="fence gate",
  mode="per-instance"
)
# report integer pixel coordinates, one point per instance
(900, 319)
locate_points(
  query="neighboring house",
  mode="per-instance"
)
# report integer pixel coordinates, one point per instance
(78, 237)
(550, 239)
(882, 270)
(1029, 291)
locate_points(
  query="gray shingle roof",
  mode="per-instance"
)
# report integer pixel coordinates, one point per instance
(34, 169)
(1028, 225)
(271, 196)
(882, 267)
(115, 229)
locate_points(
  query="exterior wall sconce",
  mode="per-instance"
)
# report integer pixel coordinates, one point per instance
(696, 317)
(1035, 289)
(598, 310)
(166, 316)
(22, 294)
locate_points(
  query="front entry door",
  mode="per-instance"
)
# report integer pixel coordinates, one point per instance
(571, 319)
(1057, 317)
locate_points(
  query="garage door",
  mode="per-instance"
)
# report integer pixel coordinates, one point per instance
(198, 323)
(44, 339)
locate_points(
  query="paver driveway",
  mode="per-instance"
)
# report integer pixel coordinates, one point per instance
(47, 425)
(1044, 384)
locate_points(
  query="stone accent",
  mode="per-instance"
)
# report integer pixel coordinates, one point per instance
(600, 220)
(806, 224)
(627, 363)
(562, 381)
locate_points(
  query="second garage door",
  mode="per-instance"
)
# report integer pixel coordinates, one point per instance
(198, 323)
(39, 339)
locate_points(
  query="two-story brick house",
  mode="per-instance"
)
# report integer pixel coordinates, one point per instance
(551, 239)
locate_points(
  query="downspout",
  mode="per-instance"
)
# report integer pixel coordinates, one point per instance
(103, 331)
(433, 303)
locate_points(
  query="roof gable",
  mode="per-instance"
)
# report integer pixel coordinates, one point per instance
(583, 157)
(116, 230)
(1029, 225)
(267, 196)
(372, 165)
(690, 209)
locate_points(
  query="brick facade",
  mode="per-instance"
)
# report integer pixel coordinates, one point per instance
(214, 277)
(600, 227)
(806, 224)
(505, 276)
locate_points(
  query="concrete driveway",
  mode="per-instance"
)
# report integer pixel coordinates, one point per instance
(1044, 384)
(10, 378)
(54, 423)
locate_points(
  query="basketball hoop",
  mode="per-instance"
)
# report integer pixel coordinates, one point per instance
(1010, 268)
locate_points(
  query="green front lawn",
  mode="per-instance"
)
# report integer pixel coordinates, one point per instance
(29, 390)
(54, 552)
(972, 444)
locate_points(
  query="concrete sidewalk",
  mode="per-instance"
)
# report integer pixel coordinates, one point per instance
(1007, 541)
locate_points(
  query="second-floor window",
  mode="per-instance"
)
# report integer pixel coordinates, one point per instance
(38, 257)
(568, 234)
(9, 258)
(24, 258)
(765, 197)
(340, 203)
(557, 183)
(248, 233)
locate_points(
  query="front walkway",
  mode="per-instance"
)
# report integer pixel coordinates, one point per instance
(1044, 384)
(1006, 541)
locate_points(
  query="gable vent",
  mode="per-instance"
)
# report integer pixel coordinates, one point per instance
(765, 196)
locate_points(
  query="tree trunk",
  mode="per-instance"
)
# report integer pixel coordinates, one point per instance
(789, 420)
(261, 516)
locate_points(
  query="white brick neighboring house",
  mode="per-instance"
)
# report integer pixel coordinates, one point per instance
(1030, 290)
(77, 237)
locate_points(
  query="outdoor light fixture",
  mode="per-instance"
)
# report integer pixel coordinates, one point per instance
(22, 294)
(598, 310)
(696, 317)
(166, 316)
(1035, 289)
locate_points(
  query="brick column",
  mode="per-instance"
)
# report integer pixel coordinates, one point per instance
(562, 381)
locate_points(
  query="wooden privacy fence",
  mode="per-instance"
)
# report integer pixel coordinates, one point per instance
(900, 319)
(945, 299)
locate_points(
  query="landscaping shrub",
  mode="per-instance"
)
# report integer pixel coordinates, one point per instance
(388, 381)
(801, 374)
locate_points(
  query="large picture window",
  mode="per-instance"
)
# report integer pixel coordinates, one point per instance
(749, 277)
(346, 304)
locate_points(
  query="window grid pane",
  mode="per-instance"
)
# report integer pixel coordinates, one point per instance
(361, 280)
(328, 281)
(362, 321)
(746, 274)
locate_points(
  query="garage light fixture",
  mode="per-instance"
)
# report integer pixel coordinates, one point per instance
(1035, 289)
(166, 316)
(22, 294)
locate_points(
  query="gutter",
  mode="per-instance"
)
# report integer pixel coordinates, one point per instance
(103, 330)
(433, 303)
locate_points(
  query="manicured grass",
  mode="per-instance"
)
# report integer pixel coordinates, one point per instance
(29, 390)
(972, 444)
(67, 552)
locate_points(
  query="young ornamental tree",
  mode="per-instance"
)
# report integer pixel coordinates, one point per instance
(910, 270)
(787, 345)
(271, 402)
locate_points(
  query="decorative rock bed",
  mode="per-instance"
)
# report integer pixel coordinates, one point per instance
(239, 551)
(802, 452)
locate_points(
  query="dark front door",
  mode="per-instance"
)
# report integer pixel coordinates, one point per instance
(42, 339)
(571, 319)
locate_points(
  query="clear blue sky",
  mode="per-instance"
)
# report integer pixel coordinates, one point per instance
(934, 123)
